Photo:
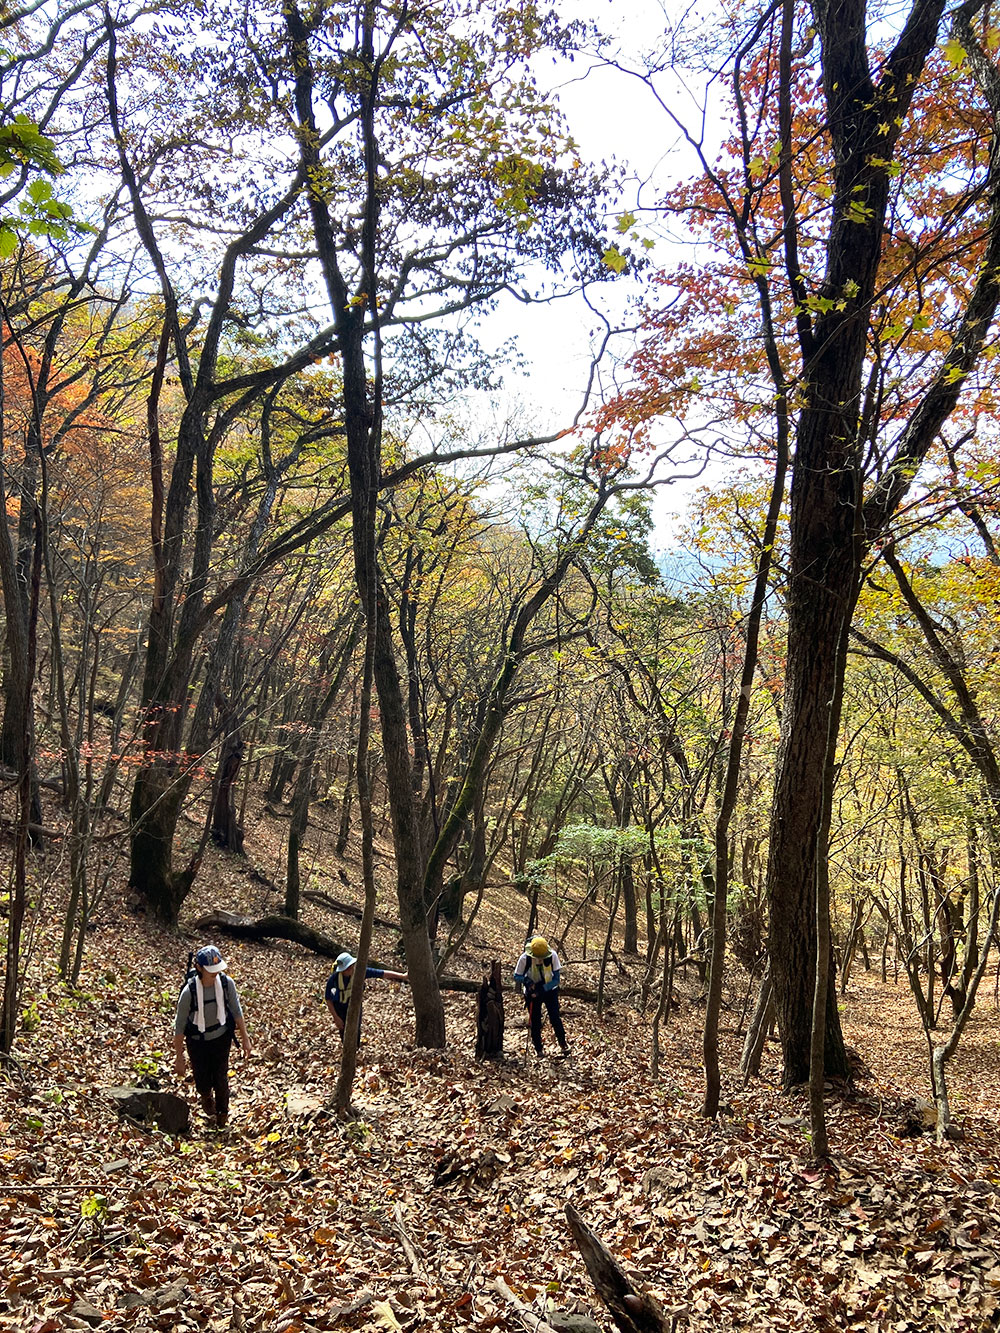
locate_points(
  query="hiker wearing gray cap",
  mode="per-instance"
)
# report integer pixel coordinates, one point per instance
(208, 1013)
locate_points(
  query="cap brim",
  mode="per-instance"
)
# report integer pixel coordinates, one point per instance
(215, 967)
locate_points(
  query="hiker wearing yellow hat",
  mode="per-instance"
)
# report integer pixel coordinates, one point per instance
(537, 971)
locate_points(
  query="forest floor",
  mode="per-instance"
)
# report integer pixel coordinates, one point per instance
(291, 1221)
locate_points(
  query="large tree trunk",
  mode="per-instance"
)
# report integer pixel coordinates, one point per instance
(818, 617)
(227, 831)
(362, 402)
(157, 798)
(830, 524)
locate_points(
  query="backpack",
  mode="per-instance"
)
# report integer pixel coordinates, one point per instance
(190, 1029)
(540, 969)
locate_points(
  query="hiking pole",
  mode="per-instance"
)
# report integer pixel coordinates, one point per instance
(531, 1000)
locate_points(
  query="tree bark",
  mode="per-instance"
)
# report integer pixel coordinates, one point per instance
(634, 1311)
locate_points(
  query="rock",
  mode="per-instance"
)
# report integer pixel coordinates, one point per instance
(173, 1294)
(156, 1298)
(919, 1115)
(478, 1167)
(982, 1187)
(166, 1110)
(661, 1180)
(573, 1323)
(84, 1310)
(502, 1105)
(302, 1104)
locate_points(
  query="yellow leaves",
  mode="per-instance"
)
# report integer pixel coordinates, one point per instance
(859, 212)
(614, 259)
(954, 52)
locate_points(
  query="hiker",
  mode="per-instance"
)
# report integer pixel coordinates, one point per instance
(340, 981)
(537, 971)
(208, 1013)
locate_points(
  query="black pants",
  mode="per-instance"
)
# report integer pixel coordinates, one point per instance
(342, 1015)
(550, 999)
(210, 1066)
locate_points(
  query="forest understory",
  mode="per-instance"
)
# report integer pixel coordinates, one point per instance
(457, 1172)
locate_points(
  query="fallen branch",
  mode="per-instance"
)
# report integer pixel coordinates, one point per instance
(35, 830)
(533, 1320)
(322, 899)
(277, 927)
(409, 1249)
(633, 1311)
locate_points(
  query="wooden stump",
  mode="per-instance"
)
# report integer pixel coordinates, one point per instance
(489, 1015)
(633, 1311)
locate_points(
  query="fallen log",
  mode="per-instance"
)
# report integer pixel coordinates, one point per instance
(277, 927)
(322, 899)
(35, 830)
(633, 1311)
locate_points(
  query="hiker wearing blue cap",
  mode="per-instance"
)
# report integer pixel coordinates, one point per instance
(208, 1013)
(340, 981)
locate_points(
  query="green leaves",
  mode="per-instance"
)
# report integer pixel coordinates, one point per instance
(614, 259)
(22, 144)
(954, 52)
(24, 148)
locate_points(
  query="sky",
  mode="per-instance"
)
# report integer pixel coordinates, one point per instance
(613, 117)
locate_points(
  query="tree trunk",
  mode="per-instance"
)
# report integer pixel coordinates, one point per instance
(760, 1024)
(818, 613)
(19, 897)
(490, 1015)
(226, 829)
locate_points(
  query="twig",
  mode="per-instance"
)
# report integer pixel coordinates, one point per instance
(409, 1249)
(525, 1311)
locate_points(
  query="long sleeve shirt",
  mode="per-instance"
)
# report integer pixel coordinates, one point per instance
(544, 972)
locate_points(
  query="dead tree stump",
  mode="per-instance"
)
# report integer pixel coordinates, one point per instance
(633, 1311)
(489, 1015)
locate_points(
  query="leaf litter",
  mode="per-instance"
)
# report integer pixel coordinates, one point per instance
(457, 1172)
